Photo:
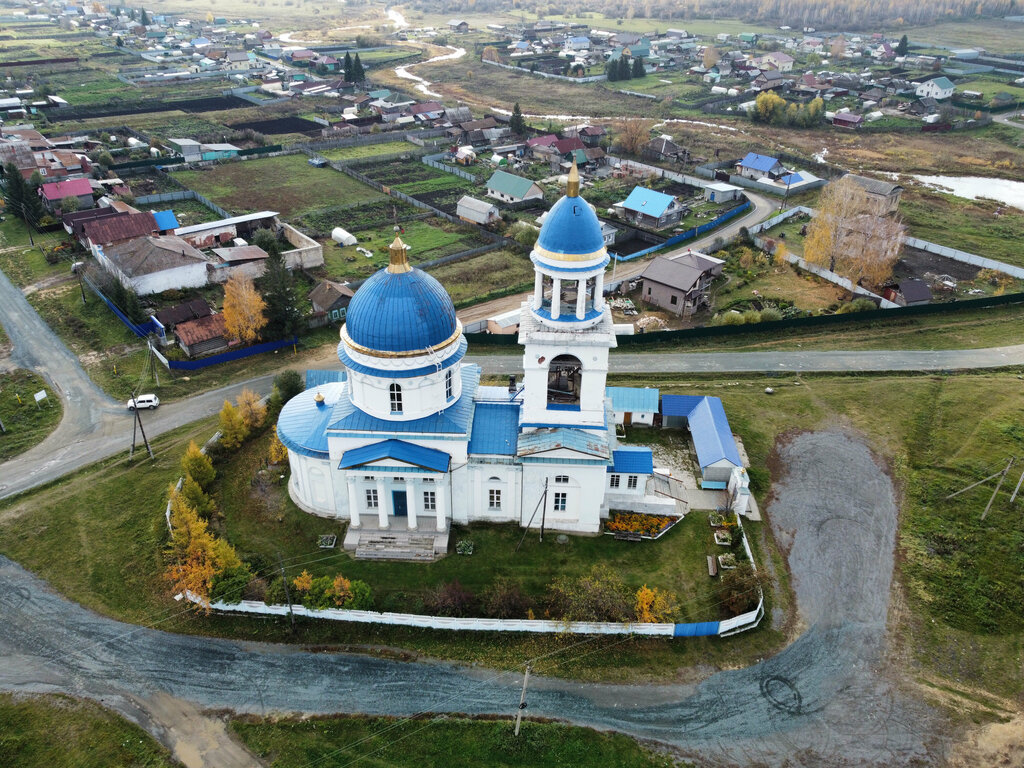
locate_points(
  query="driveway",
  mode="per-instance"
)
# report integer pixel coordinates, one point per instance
(825, 700)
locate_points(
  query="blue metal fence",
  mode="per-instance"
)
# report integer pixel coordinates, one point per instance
(234, 354)
(688, 234)
(143, 330)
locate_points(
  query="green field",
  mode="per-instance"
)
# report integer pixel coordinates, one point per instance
(26, 423)
(368, 150)
(493, 274)
(681, 85)
(56, 731)
(287, 184)
(989, 88)
(24, 264)
(91, 327)
(377, 742)
(994, 35)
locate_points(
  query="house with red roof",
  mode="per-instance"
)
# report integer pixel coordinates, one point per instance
(54, 192)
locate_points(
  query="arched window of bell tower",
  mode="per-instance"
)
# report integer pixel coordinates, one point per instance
(565, 377)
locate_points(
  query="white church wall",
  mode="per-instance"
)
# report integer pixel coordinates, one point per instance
(310, 485)
(584, 496)
(420, 395)
(536, 364)
(503, 478)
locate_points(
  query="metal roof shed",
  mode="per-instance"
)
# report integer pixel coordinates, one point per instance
(712, 437)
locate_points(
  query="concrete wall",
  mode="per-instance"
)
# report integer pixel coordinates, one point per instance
(307, 254)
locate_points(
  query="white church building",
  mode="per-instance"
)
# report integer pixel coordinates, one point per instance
(406, 441)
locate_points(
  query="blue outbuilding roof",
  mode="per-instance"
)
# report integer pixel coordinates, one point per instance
(648, 202)
(410, 453)
(570, 228)
(303, 422)
(793, 178)
(316, 376)
(495, 429)
(763, 163)
(165, 220)
(400, 312)
(544, 440)
(455, 419)
(633, 399)
(632, 460)
(709, 427)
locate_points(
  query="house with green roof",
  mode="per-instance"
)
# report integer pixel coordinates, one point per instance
(510, 188)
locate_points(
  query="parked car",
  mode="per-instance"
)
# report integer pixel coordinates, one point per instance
(143, 401)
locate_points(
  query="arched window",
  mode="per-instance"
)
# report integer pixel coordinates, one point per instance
(565, 374)
(396, 398)
(448, 384)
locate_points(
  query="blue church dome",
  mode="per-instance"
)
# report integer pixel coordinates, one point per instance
(400, 309)
(571, 230)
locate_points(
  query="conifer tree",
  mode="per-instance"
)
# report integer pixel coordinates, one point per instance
(516, 122)
(638, 67)
(357, 70)
(347, 67)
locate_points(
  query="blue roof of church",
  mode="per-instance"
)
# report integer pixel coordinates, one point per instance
(302, 424)
(634, 460)
(495, 429)
(709, 427)
(410, 453)
(317, 376)
(571, 227)
(581, 441)
(455, 419)
(400, 312)
(633, 399)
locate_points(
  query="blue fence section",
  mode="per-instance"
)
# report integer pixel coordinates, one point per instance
(700, 629)
(227, 357)
(143, 330)
(688, 234)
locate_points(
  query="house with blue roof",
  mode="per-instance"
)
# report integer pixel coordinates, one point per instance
(633, 405)
(405, 441)
(755, 166)
(651, 209)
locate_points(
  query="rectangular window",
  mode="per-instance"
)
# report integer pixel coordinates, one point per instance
(613, 481)
(494, 499)
(631, 481)
(371, 498)
(429, 501)
(448, 385)
(673, 300)
(560, 501)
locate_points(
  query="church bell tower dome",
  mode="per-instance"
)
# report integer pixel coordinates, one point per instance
(571, 230)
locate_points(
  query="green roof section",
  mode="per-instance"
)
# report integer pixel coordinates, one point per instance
(510, 184)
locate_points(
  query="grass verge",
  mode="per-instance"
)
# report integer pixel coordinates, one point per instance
(25, 423)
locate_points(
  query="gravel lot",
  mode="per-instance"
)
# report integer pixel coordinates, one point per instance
(825, 700)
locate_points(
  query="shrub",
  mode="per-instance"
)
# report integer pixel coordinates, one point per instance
(505, 600)
(739, 588)
(771, 315)
(655, 606)
(451, 599)
(598, 596)
(751, 317)
(289, 383)
(360, 596)
(728, 318)
(230, 585)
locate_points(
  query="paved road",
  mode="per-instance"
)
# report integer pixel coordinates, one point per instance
(825, 700)
(762, 208)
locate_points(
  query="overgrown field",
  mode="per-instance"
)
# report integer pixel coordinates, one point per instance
(493, 274)
(26, 423)
(55, 731)
(287, 184)
(91, 327)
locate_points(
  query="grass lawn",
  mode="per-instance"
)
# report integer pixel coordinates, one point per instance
(680, 85)
(780, 281)
(492, 274)
(439, 742)
(26, 265)
(56, 731)
(368, 150)
(989, 88)
(89, 328)
(427, 239)
(188, 212)
(994, 35)
(287, 184)
(25, 424)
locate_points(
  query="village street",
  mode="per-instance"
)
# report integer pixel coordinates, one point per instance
(827, 699)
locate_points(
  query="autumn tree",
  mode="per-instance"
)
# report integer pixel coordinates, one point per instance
(850, 235)
(198, 465)
(233, 430)
(741, 587)
(632, 136)
(277, 453)
(196, 555)
(711, 56)
(491, 54)
(599, 595)
(197, 498)
(251, 409)
(838, 47)
(243, 309)
(655, 606)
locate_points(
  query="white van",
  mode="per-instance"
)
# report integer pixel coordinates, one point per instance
(143, 401)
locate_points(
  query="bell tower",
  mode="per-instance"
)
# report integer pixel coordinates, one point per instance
(566, 327)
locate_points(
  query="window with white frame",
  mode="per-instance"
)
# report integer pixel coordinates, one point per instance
(613, 481)
(429, 501)
(562, 479)
(396, 398)
(494, 499)
(631, 481)
(448, 384)
(560, 501)
(371, 498)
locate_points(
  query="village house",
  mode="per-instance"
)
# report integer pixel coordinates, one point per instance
(938, 88)
(247, 260)
(476, 211)
(55, 192)
(768, 80)
(155, 264)
(717, 453)
(510, 188)
(783, 62)
(331, 299)
(847, 120)
(754, 166)
(679, 283)
(203, 336)
(633, 405)
(180, 313)
(651, 209)
(720, 192)
(909, 293)
(664, 149)
(883, 196)
(101, 232)
(458, 25)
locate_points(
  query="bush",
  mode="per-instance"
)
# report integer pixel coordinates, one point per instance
(771, 315)
(231, 585)
(505, 600)
(598, 596)
(450, 599)
(857, 305)
(739, 588)
(751, 317)
(289, 383)
(198, 465)
(728, 318)
(360, 597)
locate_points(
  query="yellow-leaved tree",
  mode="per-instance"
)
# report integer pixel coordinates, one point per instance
(655, 606)
(632, 135)
(251, 409)
(196, 555)
(243, 309)
(198, 465)
(278, 453)
(491, 54)
(233, 430)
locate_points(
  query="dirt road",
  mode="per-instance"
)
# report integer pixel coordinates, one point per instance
(825, 700)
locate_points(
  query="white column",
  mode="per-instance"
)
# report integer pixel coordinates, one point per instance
(581, 298)
(442, 503)
(410, 496)
(538, 289)
(599, 292)
(556, 297)
(353, 502)
(382, 504)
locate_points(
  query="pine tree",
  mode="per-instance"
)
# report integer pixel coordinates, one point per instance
(284, 318)
(638, 67)
(144, 19)
(516, 122)
(611, 71)
(625, 72)
(357, 70)
(346, 65)
(31, 203)
(903, 46)
(14, 190)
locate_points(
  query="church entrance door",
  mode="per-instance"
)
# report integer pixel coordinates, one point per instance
(399, 503)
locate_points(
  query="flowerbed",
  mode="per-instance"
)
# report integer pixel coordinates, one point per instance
(651, 526)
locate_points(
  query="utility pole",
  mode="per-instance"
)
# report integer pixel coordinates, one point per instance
(138, 418)
(287, 592)
(522, 699)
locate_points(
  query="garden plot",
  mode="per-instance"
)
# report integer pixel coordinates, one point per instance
(411, 177)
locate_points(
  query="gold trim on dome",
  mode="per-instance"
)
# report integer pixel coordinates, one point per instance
(553, 256)
(399, 258)
(413, 353)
